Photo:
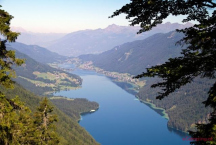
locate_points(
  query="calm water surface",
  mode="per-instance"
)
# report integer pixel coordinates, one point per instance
(121, 119)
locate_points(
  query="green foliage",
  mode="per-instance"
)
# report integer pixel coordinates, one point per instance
(45, 129)
(198, 59)
(17, 126)
(184, 105)
(12, 122)
(7, 57)
(68, 130)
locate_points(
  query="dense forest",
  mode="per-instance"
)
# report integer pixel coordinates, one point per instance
(67, 128)
(184, 107)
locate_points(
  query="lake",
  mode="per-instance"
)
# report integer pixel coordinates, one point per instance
(121, 119)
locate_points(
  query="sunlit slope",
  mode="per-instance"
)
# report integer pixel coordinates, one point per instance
(41, 78)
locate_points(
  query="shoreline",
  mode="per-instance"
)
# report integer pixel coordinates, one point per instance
(86, 113)
(92, 110)
(154, 107)
(50, 93)
(177, 129)
(165, 115)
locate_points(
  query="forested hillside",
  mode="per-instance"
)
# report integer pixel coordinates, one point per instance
(69, 131)
(184, 107)
(73, 107)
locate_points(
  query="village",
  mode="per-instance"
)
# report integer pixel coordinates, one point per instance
(120, 77)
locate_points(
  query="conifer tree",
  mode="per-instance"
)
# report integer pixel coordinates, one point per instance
(44, 124)
(16, 124)
(7, 57)
(9, 125)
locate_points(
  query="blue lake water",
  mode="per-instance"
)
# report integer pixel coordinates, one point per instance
(121, 119)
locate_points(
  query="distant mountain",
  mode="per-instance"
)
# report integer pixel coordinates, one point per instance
(19, 29)
(31, 38)
(134, 57)
(38, 53)
(100, 40)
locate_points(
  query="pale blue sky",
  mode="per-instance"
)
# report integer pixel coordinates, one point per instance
(65, 16)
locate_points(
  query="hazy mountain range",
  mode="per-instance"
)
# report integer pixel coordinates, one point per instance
(32, 38)
(100, 40)
(94, 41)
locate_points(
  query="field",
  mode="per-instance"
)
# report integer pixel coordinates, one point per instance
(57, 81)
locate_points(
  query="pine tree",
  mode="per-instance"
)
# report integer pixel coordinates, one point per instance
(8, 107)
(16, 124)
(44, 124)
(7, 57)
(14, 121)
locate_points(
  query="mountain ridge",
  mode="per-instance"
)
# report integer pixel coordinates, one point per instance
(127, 58)
(38, 53)
(100, 40)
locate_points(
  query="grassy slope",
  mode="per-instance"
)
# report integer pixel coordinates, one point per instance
(27, 72)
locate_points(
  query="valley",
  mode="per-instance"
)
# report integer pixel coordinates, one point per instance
(129, 72)
(120, 65)
(46, 76)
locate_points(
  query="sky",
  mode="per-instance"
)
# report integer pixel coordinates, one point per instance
(65, 16)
